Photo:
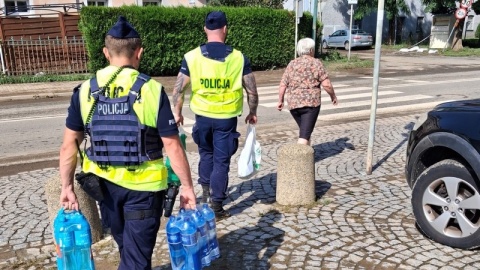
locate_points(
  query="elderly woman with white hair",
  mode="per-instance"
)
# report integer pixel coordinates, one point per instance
(302, 81)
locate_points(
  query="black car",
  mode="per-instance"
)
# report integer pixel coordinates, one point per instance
(443, 170)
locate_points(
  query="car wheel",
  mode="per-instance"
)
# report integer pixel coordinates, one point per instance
(346, 45)
(325, 44)
(446, 205)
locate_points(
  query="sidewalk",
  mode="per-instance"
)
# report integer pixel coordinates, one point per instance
(392, 63)
(359, 221)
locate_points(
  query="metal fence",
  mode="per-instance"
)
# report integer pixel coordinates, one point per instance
(47, 56)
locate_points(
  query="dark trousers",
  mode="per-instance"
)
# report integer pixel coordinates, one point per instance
(217, 141)
(306, 118)
(135, 236)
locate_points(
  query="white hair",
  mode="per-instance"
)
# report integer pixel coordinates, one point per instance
(305, 46)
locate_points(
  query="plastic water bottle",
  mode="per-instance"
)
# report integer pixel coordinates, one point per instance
(190, 243)
(209, 216)
(83, 242)
(174, 239)
(202, 229)
(64, 242)
(72, 237)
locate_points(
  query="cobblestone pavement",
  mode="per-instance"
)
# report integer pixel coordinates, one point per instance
(358, 222)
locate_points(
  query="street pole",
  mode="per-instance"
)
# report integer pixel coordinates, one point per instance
(1, 59)
(314, 24)
(296, 28)
(376, 73)
(321, 40)
(350, 36)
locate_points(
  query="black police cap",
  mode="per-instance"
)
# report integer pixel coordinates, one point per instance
(215, 20)
(123, 29)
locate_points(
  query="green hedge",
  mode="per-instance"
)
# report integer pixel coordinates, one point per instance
(265, 36)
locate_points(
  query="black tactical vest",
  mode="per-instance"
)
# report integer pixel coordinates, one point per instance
(117, 138)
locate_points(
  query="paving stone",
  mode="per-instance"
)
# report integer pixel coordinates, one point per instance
(360, 222)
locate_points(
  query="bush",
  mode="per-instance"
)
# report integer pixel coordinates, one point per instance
(265, 36)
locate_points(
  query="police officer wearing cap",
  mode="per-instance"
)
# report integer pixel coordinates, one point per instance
(217, 74)
(127, 120)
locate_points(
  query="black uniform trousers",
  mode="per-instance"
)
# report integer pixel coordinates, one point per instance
(134, 221)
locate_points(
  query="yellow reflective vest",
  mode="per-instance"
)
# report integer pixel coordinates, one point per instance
(217, 90)
(150, 175)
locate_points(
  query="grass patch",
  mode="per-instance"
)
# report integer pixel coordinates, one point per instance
(43, 78)
(397, 47)
(461, 53)
(471, 47)
(334, 61)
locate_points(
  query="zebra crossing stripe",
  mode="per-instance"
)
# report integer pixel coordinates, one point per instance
(369, 102)
(340, 98)
(352, 96)
(275, 87)
(327, 106)
(394, 109)
(345, 90)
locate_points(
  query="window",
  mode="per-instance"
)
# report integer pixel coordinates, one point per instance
(469, 22)
(336, 33)
(152, 3)
(97, 3)
(419, 24)
(15, 6)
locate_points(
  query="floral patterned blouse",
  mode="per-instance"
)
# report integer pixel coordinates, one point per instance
(302, 79)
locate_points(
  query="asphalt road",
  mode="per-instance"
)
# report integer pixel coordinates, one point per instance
(32, 116)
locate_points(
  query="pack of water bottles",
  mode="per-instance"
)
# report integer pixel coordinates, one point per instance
(192, 238)
(73, 241)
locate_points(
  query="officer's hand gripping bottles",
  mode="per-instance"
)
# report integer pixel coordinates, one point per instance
(173, 180)
(73, 240)
(191, 238)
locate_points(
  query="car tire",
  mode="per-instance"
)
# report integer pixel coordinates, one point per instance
(346, 45)
(324, 44)
(443, 219)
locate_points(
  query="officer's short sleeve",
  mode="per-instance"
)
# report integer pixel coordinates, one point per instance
(247, 69)
(74, 118)
(184, 68)
(166, 124)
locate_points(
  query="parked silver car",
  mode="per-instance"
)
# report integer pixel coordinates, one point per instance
(340, 38)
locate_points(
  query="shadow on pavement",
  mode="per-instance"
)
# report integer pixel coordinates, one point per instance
(263, 189)
(405, 135)
(237, 250)
(330, 149)
(321, 188)
(251, 247)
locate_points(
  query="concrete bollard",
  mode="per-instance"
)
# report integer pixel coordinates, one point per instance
(295, 175)
(88, 206)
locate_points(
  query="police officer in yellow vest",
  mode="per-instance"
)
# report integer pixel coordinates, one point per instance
(127, 119)
(217, 74)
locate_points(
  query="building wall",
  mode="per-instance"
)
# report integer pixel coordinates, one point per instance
(416, 26)
(109, 3)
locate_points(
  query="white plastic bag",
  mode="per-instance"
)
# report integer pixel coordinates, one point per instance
(251, 155)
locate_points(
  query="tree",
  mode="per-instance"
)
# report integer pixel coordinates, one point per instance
(440, 6)
(393, 8)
